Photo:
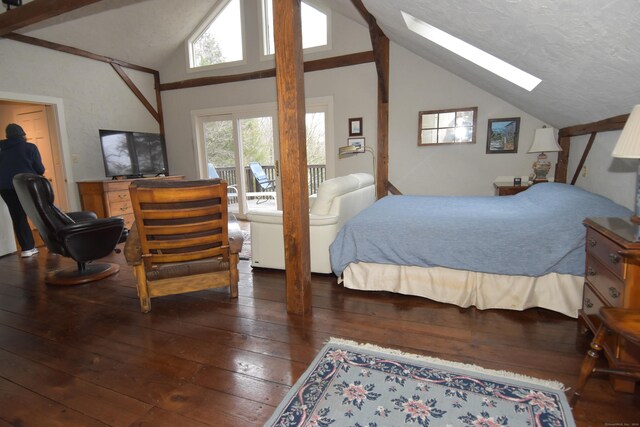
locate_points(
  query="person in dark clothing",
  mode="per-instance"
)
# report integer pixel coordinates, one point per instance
(18, 156)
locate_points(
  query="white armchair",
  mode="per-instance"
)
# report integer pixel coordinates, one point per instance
(337, 201)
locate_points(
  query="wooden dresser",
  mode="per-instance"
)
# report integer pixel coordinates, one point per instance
(612, 279)
(110, 197)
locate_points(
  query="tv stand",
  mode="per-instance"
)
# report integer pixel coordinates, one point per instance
(110, 197)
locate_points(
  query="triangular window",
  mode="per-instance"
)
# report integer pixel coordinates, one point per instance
(219, 39)
(315, 26)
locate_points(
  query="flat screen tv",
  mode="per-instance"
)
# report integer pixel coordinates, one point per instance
(133, 154)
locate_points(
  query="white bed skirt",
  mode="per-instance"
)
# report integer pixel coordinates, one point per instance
(557, 292)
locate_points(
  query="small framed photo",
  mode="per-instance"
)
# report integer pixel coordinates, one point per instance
(355, 126)
(502, 135)
(357, 142)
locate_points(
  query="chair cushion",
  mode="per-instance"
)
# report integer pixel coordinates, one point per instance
(168, 271)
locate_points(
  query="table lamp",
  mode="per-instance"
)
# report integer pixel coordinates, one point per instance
(628, 147)
(543, 141)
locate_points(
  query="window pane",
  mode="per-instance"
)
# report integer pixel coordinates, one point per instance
(447, 120)
(316, 153)
(429, 137)
(429, 121)
(464, 118)
(464, 134)
(446, 135)
(314, 27)
(447, 126)
(222, 41)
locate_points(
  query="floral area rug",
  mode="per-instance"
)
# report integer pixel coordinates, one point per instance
(363, 385)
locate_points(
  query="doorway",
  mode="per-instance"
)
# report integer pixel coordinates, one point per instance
(41, 126)
(229, 139)
(229, 143)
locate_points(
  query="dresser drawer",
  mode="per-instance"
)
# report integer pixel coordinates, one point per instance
(610, 287)
(118, 196)
(605, 251)
(120, 208)
(129, 219)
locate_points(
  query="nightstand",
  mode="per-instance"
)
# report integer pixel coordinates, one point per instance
(612, 279)
(508, 189)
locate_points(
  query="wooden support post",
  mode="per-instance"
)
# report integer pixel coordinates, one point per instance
(293, 154)
(380, 44)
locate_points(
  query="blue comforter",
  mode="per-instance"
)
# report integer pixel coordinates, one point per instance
(533, 233)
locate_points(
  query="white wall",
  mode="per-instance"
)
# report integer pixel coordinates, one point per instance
(353, 90)
(93, 95)
(613, 178)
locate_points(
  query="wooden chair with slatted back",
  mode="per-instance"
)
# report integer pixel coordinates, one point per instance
(625, 323)
(180, 242)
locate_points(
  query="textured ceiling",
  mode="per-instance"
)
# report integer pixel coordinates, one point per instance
(585, 51)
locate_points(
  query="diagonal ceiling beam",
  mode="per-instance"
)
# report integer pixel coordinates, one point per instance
(380, 44)
(36, 11)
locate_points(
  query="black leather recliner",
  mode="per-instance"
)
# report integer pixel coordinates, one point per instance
(78, 235)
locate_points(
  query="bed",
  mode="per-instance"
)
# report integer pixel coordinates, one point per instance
(513, 252)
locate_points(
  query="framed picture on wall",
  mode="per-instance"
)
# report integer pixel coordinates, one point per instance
(357, 143)
(355, 126)
(502, 135)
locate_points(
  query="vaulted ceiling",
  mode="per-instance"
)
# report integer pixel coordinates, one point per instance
(585, 51)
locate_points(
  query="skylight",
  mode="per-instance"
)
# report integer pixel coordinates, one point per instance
(471, 53)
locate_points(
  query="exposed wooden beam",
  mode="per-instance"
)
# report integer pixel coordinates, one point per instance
(583, 159)
(36, 11)
(116, 64)
(75, 51)
(612, 123)
(132, 86)
(316, 65)
(380, 44)
(564, 139)
(293, 154)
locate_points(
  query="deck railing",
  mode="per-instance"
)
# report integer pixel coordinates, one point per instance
(316, 174)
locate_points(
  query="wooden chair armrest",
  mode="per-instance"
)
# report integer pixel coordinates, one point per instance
(132, 249)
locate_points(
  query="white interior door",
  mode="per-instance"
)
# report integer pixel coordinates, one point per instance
(35, 124)
(37, 129)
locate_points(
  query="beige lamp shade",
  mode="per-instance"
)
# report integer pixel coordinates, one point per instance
(628, 145)
(544, 140)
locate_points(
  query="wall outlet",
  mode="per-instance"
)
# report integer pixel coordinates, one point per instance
(584, 171)
(75, 159)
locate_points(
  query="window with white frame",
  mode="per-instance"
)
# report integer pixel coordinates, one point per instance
(219, 40)
(315, 26)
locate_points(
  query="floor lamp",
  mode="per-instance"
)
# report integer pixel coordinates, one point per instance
(628, 147)
(350, 150)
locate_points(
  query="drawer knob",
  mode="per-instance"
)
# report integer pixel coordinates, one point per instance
(614, 258)
(592, 242)
(588, 303)
(591, 271)
(124, 208)
(122, 196)
(614, 292)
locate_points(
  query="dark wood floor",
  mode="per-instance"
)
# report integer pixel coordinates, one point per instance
(85, 355)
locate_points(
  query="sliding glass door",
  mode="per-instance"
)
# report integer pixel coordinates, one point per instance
(230, 144)
(233, 144)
